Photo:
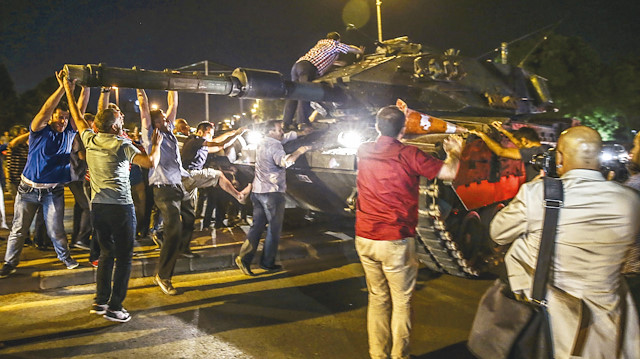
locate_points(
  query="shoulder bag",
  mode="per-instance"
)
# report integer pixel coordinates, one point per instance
(505, 327)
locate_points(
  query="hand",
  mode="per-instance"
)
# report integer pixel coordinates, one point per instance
(452, 145)
(65, 82)
(303, 149)
(60, 76)
(156, 138)
(498, 126)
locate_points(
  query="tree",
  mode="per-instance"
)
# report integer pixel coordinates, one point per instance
(8, 99)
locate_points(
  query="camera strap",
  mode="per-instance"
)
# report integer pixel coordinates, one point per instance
(553, 200)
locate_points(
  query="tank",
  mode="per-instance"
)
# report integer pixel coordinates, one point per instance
(453, 217)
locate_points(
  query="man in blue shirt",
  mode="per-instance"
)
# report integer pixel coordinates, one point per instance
(43, 179)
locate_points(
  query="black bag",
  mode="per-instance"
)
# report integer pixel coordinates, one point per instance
(507, 328)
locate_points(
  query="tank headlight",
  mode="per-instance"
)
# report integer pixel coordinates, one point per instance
(350, 139)
(253, 137)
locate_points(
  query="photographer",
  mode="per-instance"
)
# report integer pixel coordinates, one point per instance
(527, 142)
(592, 313)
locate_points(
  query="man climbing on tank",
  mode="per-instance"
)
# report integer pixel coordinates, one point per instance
(312, 65)
(527, 144)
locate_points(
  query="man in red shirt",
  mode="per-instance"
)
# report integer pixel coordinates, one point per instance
(386, 217)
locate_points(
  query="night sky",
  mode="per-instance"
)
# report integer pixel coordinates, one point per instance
(39, 37)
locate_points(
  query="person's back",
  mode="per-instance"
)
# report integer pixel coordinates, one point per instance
(594, 232)
(591, 310)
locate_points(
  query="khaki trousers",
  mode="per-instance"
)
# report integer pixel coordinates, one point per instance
(390, 268)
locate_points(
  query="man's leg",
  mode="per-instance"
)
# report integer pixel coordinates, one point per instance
(306, 73)
(274, 208)
(188, 219)
(401, 269)
(53, 210)
(100, 215)
(24, 209)
(168, 200)
(250, 245)
(290, 105)
(124, 227)
(379, 308)
(82, 229)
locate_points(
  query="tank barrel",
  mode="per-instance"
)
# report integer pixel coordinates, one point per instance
(98, 75)
(242, 83)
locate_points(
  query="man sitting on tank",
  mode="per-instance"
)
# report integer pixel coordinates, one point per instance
(527, 143)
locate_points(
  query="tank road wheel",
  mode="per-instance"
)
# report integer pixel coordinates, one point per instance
(471, 238)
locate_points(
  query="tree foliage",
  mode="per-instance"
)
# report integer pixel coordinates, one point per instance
(604, 96)
(8, 99)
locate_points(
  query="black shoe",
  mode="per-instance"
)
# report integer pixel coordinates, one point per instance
(7, 270)
(273, 268)
(243, 267)
(121, 315)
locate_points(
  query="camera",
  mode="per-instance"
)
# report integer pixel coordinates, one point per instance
(613, 160)
(546, 161)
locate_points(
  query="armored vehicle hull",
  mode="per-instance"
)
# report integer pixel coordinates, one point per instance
(471, 94)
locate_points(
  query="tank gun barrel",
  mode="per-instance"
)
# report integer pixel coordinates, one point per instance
(242, 83)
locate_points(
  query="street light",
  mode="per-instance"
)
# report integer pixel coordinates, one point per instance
(378, 5)
(154, 106)
(117, 95)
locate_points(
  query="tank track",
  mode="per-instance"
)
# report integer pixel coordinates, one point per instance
(442, 252)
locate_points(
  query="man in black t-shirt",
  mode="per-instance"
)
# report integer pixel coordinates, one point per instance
(194, 155)
(527, 144)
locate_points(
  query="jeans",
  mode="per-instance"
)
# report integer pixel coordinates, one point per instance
(176, 208)
(390, 268)
(267, 208)
(27, 201)
(303, 71)
(115, 225)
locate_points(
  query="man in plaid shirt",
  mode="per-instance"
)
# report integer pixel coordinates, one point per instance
(312, 65)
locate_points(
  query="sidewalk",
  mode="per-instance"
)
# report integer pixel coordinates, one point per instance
(216, 249)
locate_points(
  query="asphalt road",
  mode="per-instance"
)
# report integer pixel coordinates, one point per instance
(315, 308)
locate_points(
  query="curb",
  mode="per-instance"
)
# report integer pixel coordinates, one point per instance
(210, 259)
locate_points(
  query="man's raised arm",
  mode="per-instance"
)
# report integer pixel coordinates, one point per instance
(44, 115)
(143, 103)
(172, 101)
(453, 147)
(77, 119)
(103, 101)
(225, 140)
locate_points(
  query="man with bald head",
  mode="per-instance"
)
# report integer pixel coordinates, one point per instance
(592, 312)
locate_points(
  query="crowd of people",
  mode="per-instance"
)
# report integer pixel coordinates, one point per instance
(117, 180)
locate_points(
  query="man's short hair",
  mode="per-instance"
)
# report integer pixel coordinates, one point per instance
(270, 125)
(156, 115)
(62, 106)
(105, 119)
(89, 117)
(390, 121)
(204, 126)
(333, 36)
(528, 133)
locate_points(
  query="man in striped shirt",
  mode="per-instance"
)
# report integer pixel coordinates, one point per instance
(312, 65)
